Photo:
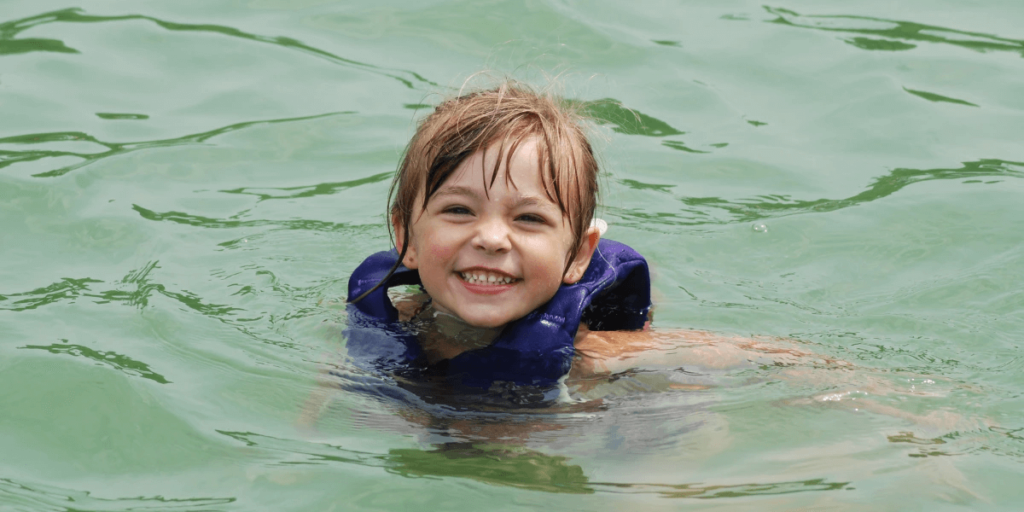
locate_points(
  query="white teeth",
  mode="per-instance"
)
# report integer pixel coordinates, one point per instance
(485, 278)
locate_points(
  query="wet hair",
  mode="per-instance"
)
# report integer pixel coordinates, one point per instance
(502, 118)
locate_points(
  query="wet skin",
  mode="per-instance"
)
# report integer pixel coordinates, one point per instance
(491, 255)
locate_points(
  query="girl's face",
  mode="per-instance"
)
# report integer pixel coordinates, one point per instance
(491, 256)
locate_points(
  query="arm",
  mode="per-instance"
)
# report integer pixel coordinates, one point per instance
(600, 354)
(608, 352)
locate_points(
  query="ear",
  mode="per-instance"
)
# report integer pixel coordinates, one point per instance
(582, 260)
(410, 261)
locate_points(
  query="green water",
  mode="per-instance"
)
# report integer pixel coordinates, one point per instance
(185, 187)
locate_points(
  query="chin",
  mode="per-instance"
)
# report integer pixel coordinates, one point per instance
(486, 321)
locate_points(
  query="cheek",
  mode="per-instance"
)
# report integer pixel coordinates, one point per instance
(438, 249)
(545, 266)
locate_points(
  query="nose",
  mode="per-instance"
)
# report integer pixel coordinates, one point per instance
(492, 235)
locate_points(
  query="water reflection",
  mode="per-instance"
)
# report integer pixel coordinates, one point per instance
(69, 289)
(519, 467)
(1010, 441)
(66, 289)
(509, 466)
(991, 439)
(867, 43)
(35, 496)
(117, 116)
(112, 359)
(931, 96)
(715, 210)
(233, 222)
(894, 29)
(680, 146)
(138, 288)
(627, 121)
(10, 29)
(10, 157)
(303, 452)
(88, 149)
(639, 185)
(703, 491)
(27, 45)
(320, 189)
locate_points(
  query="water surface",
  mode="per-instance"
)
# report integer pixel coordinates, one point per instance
(185, 187)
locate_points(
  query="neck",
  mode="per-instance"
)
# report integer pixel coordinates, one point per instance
(444, 336)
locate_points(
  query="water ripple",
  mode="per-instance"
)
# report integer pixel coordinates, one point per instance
(47, 497)
(512, 466)
(9, 157)
(69, 289)
(704, 491)
(26, 45)
(492, 464)
(716, 210)
(995, 440)
(931, 96)
(320, 189)
(117, 361)
(307, 452)
(894, 29)
(627, 121)
(66, 289)
(233, 222)
(10, 29)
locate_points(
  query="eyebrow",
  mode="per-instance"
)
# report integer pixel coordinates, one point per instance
(519, 201)
(456, 191)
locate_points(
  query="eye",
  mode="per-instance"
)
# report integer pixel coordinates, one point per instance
(532, 218)
(456, 210)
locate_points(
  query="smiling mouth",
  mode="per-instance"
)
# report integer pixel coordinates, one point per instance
(480, 277)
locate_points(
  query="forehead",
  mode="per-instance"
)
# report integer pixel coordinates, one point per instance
(493, 169)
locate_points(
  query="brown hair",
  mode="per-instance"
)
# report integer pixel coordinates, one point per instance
(505, 116)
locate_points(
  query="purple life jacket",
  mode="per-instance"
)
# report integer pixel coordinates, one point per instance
(614, 294)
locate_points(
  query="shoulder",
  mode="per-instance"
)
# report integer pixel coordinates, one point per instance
(598, 351)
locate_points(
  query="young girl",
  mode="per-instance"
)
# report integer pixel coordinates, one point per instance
(492, 213)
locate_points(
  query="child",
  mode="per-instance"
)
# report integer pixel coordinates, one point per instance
(492, 216)
(492, 213)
